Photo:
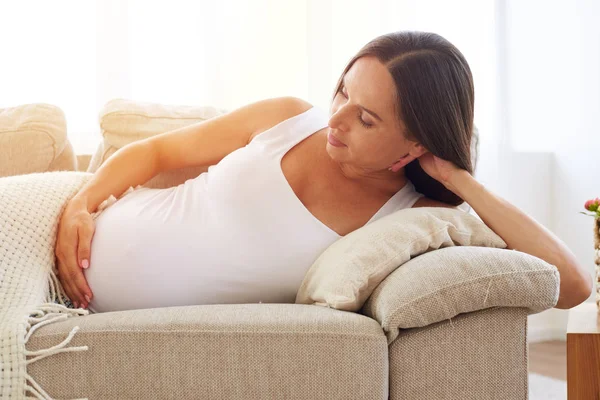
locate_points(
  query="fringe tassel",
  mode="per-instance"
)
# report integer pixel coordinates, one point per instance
(44, 314)
(56, 290)
(33, 323)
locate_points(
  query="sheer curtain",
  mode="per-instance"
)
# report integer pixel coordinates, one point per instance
(79, 55)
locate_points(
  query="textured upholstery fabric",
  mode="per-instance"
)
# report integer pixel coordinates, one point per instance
(442, 284)
(231, 351)
(480, 355)
(125, 121)
(33, 138)
(345, 274)
(83, 161)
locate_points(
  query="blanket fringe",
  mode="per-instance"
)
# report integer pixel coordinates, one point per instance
(33, 323)
(44, 314)
(56, 290)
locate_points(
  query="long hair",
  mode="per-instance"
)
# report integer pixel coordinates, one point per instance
(434, 98)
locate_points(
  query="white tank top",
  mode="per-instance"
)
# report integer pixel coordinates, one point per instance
(234, 234)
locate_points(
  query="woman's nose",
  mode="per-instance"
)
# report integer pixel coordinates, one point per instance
(336, 121)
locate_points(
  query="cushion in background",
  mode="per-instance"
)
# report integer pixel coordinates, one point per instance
(125, 121)
(33, 138)
(346, 273)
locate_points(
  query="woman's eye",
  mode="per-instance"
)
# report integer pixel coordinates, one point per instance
(365, 124)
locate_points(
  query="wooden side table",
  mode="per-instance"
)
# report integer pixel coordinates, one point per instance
(583, 352)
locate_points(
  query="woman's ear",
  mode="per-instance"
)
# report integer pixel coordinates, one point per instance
(409, 157)
(419, 150)
(406, 159)
(422, 150)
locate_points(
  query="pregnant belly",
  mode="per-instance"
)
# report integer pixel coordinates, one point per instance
(148, 253)
(137, 261)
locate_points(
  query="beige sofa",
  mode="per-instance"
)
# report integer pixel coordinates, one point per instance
(413, 339)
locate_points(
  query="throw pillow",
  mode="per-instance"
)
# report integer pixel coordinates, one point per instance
(347, 272)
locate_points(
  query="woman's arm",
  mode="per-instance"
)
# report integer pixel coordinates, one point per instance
(521, 232)
(131, 165)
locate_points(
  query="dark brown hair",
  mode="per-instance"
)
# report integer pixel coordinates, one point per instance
(434, 99)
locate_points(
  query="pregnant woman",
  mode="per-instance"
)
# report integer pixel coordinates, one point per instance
(286, 180)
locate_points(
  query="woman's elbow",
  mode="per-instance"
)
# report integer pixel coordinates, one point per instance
(587, 289)
(576, 293)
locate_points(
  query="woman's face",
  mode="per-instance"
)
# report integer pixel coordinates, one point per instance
(372, 144)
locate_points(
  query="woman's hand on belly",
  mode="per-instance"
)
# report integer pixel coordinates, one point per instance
(75, 231)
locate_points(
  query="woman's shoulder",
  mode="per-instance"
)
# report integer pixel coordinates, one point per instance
(281, 109)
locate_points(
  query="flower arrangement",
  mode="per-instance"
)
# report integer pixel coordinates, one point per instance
(594, 206)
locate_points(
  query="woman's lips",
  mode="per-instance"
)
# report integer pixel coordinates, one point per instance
(333, 141)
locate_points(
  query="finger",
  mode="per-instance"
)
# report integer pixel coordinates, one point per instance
(77, 297)
(66, 285)
(63, 271)
(74, 272)
(80, 282)
(70, 290)
(83, 249)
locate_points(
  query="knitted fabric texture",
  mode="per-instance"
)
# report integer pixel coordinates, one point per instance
(31, 295)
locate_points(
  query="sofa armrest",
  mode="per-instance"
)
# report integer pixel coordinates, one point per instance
(443, 283)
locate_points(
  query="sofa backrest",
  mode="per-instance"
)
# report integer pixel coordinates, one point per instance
(33, 138)
(124, 121)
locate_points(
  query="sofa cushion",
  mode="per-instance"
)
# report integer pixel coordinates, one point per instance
(445, 283)
(215, 351)
(348, 271)
(33, 138)
(125, 121)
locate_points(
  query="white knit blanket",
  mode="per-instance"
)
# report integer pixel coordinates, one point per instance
(31, 296)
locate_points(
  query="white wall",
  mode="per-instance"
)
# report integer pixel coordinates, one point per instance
(553, 99)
